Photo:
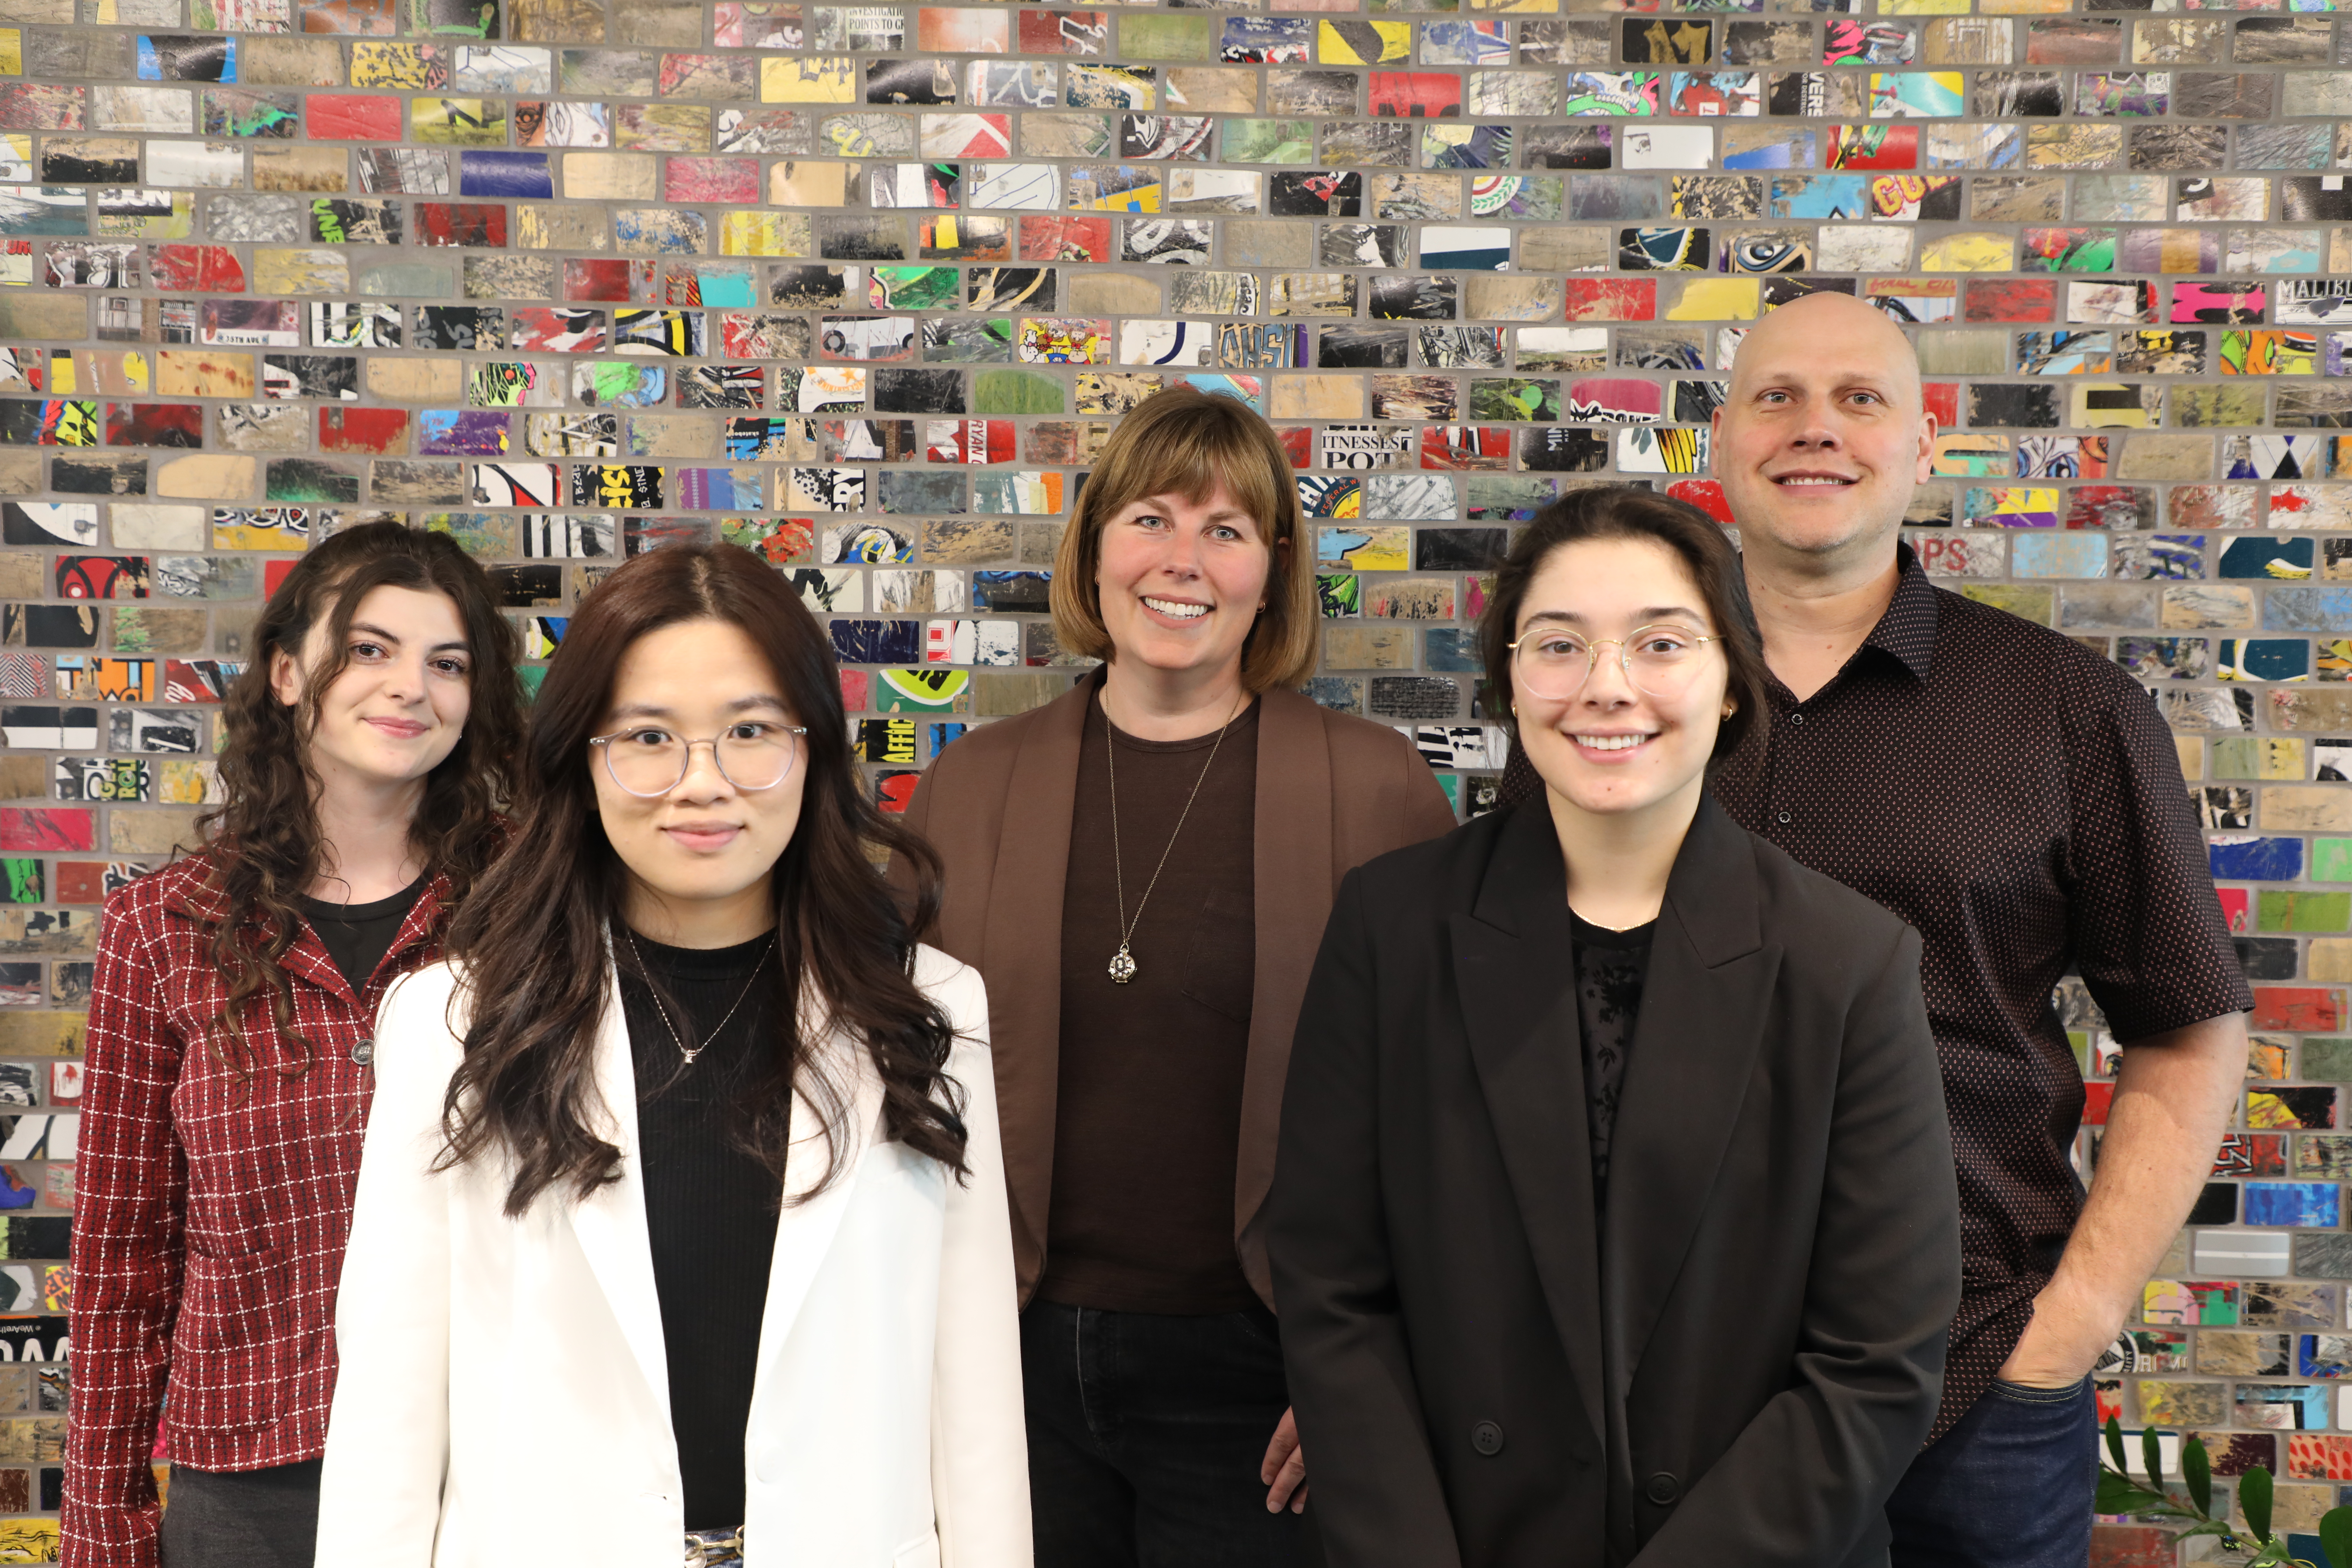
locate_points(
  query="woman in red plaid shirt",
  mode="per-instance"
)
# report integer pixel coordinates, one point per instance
(230, 1035)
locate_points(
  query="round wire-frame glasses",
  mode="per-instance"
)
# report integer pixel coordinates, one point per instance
(1555, 664)
(745, 762)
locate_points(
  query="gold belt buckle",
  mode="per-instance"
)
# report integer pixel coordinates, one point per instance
(713, 1548)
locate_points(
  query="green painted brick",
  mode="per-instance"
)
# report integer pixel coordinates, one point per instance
(2331, 859)
(1174, 37)
(2287, 910)
(2035, 604)
(2327, 1056)
(1015, 392)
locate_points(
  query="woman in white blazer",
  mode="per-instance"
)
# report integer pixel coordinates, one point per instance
(681, 1225)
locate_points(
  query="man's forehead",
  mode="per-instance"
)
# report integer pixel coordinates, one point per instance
(1790, 357)
(1826, 344)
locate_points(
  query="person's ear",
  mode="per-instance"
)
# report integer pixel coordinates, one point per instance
(285, 678)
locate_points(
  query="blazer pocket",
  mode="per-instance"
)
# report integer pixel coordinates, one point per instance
(1220, 970)
(923, 1553)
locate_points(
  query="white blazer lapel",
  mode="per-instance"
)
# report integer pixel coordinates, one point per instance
(611, 1221)
(806, 1228)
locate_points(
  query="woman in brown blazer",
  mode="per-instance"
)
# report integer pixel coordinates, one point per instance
(1142, 870)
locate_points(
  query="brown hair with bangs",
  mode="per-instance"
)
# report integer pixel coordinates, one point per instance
(1627, 512)
(1184, 442)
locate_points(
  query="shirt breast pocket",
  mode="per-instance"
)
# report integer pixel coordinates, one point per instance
(1220, 971)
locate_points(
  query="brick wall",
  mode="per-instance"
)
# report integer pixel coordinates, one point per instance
(864, 289)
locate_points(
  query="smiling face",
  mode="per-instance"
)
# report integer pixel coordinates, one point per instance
(1823, 438)
(700, 858)
(1182, 582)
(1613, 749)
(398, 707)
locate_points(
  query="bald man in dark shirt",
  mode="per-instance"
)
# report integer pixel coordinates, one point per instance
(2019, 801)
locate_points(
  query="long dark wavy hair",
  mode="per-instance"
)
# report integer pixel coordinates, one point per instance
(534, 940)
(262, 842)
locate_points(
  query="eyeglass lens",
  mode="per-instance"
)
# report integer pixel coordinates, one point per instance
(651, 763)
(1657, 661)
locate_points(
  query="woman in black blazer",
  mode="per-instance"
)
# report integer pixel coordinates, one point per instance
(1614, 1221)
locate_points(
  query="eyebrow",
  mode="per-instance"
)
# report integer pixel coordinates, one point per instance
(1767, 380)
(655, 710)
(390, 637)
(1223, 514)
(1643, 617)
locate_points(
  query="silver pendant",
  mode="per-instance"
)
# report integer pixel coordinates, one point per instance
(1122, 967)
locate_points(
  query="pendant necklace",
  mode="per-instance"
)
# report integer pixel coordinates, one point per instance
(655, 993)
(1122, 963)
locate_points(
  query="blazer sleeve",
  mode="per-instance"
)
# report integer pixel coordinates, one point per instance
(128, 1247)
(979, 1451)
(388, 1434)
(1813, 1471)
(1352, 1384)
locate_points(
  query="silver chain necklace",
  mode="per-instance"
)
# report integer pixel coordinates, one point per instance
(654, 993)
(1122, 963)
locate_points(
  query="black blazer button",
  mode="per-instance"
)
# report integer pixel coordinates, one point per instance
(1486, 1438)
(1662, 1488)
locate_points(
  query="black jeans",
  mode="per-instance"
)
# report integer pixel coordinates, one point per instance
(1146, 1433)
(2010, 1486)
(242, 1519)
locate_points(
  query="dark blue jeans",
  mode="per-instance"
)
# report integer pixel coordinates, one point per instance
(1145, 1436)
(2011, 1487)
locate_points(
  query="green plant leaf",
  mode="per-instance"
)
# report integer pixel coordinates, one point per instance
(2120, 1494)
(2254, 1498)
(2152, 1457)
(2198, 1469)
(2116, 1449)
(2335, 1535)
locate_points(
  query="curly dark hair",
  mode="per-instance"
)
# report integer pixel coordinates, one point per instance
(535, 943)
(262, 842)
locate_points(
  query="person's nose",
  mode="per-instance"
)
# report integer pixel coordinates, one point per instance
(404, 679)
(1608, 685)
(1817, 431)
(1183, 557)
(702, 780)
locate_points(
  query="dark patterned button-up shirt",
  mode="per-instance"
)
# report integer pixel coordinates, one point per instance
(212, 1210)
(2018, 799)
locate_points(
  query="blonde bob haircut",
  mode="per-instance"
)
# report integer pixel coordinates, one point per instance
(1183, 442)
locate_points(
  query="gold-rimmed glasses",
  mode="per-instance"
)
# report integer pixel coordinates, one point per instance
(1554, 663)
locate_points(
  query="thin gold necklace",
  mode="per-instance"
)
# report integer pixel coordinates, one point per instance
(654, 993)
(1122, 963)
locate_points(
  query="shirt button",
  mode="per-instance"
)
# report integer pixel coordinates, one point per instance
(362, 1052)
(1796, 717)
(1782, 819)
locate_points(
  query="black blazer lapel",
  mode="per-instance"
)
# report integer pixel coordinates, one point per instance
(1517, 985)
(1702, 1011)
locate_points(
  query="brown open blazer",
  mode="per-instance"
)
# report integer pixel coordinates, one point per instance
(1332, 793)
